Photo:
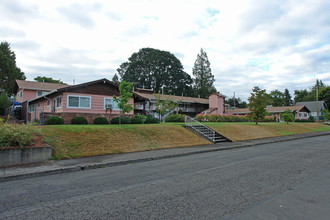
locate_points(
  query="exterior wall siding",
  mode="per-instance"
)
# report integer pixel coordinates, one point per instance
(27, 94)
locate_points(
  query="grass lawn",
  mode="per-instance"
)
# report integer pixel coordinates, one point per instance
(249, 130)
(70, 141)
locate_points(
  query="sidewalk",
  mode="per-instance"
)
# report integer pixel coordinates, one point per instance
(71, 165)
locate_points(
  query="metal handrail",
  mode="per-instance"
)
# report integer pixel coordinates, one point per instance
(192, 122)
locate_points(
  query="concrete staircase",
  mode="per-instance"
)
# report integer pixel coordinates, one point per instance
(204, 131)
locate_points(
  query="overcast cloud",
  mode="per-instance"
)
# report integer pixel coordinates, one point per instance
(271, 44)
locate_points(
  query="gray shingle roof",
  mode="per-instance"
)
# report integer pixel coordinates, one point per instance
(312, 106)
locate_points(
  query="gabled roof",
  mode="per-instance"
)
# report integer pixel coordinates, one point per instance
(42, 86)
(68, 88)
(150, 96)
(312, 105)
(269, 109)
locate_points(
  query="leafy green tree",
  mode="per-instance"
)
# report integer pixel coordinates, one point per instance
(257, 104)
(302, 95)
(115, 79)
(287, 116)
(325, 95)
(9, 72)
(48, 80)
(123, 99)
(305, 95)
(4, 102)
(326, 114)
(238, 102)
(276, 98)
(164, 106)
(204, 79)
(287, 98)
(157, 70)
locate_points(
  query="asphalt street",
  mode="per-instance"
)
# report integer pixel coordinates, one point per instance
(286, 180)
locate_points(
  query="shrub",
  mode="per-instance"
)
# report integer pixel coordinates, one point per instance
(151, 121)
(54, 120)
(15, 135)
(141, 116)
(124, 120)
(311, 118)
(136, 121)
(101, 121)
(175, 118)
(79, 121)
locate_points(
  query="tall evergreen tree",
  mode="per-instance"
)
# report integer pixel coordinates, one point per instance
(115, 79)
(203, 82)
(287, 97)
(9, 72)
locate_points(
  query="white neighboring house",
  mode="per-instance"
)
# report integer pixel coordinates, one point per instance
(312, 106)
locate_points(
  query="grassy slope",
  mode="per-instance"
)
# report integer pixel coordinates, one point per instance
(69, 141)
(249, 131)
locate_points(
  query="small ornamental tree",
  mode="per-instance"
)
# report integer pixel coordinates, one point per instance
(287, 116)
(326, 114)
(164, 106)
(257, 104)
(123, 99)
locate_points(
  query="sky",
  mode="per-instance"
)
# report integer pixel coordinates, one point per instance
(272, 44)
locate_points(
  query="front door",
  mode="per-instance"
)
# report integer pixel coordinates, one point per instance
(54, 105)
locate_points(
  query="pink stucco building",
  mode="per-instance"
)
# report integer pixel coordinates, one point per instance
(216, 104)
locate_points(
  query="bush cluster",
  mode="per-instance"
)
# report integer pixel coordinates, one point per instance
(15, 135)
(151, 121)
(54, 120)
(124, 120)
(230, 118)
(101, 121)
(175, 118)
(79, 121)
(310, 119)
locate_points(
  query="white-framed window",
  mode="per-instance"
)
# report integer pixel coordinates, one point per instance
(110, 103)
(40, 93)
(32, 108)
(300, 114)
(305, 115)
(38, 104)
(48, 102)
(21, 94)
(75, 101)
(59, 101)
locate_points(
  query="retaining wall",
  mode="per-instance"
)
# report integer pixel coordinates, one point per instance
(16, 156)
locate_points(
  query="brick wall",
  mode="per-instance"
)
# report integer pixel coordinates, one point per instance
(89, 116)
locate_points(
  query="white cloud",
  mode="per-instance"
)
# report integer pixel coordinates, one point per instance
(271, 44)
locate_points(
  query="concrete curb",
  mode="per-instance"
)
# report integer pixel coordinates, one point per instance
(236, 145)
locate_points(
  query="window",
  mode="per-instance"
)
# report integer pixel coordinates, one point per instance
(305, 115)
(300, 114)
(59, 101)
(32, 108)
(40, 93)
(38, 104)
(110, 103)
(48, 102)
(79, 101)
(21, 94)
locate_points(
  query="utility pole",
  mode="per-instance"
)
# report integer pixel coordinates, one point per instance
(317, 103)
(234, 100)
